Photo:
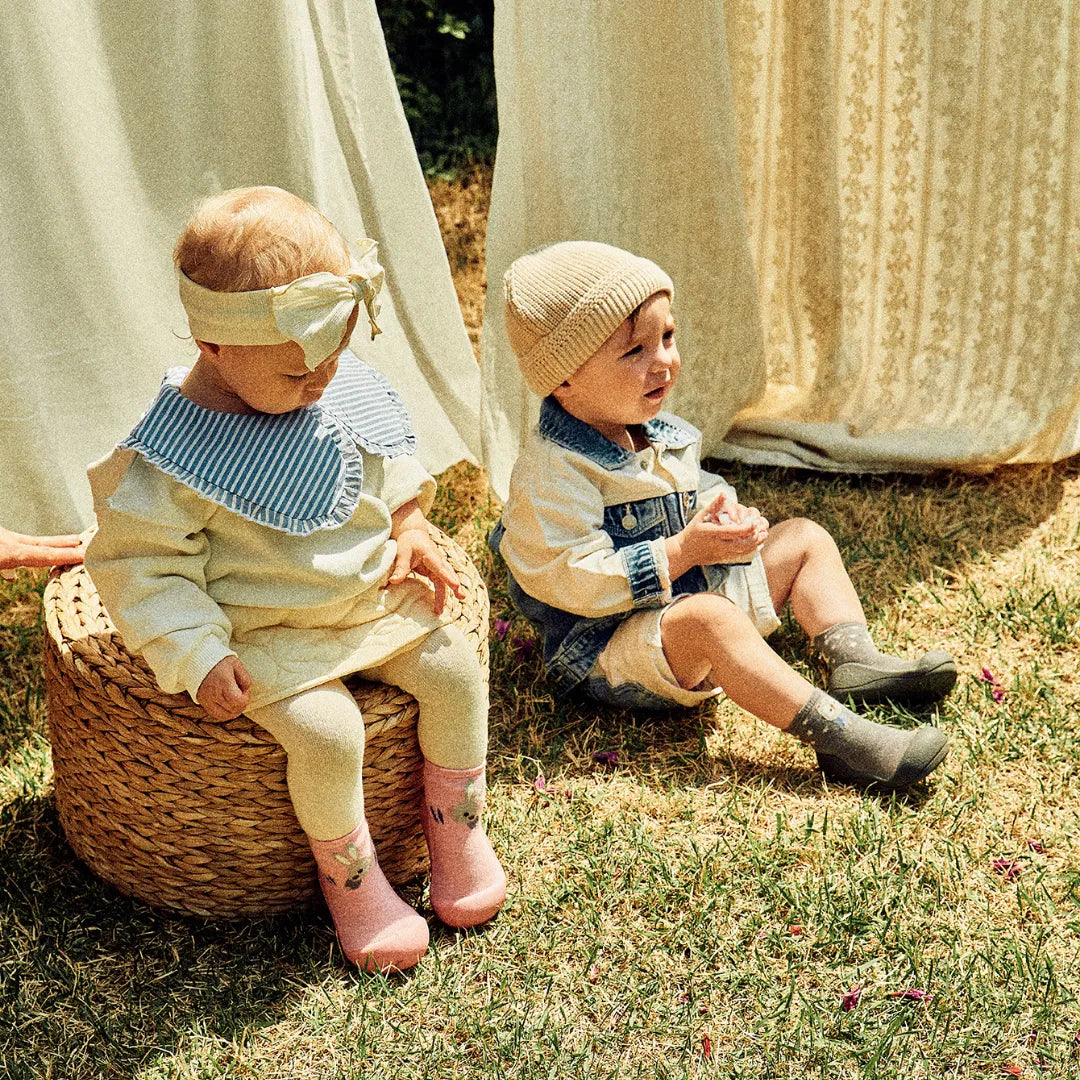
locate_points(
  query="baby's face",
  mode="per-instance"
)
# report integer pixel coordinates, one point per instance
(627, 379)
(270, 378)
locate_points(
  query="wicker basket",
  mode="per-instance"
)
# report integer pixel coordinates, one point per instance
(193, 815)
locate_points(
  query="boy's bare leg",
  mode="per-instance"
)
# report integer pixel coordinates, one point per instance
(804, 569)
(706, 636)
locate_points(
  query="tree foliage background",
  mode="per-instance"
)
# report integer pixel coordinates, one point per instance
(441, 54)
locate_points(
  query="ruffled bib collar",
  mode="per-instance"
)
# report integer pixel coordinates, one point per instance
(297, 471)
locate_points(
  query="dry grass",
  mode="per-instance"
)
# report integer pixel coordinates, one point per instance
(697, 910)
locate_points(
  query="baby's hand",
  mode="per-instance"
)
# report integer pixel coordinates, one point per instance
(224, 693)
(723, 532)
(417, 551)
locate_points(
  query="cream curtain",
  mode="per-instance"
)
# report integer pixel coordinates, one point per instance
(117, 118)
(871, 211)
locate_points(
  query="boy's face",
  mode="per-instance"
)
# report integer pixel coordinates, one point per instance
(266, 378)
(626, 380)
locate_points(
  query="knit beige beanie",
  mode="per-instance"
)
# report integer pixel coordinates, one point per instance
(564, 301)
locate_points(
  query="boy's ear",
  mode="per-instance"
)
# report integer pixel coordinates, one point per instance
(208, 349)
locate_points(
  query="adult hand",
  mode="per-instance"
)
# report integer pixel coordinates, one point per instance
(17, 549)
(224, 693)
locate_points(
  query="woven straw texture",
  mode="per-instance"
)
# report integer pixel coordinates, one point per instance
(193, 815)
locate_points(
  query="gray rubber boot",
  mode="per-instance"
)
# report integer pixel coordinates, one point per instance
(858, 751)
(857, 670)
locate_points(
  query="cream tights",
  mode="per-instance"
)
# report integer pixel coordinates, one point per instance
(322, 731)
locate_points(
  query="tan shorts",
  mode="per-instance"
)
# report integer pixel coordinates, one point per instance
(633, 671)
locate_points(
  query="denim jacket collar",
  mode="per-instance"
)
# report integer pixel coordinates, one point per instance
(573, 434)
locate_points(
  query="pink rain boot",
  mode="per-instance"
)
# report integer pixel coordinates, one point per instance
(377, 930)
(467, 883)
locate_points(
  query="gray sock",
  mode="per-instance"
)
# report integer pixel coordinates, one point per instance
(873, 751)
(850, 642)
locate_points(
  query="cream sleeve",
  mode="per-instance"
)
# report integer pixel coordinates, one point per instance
(148, 562)
(710, 486)
(404, 478)
(556, 547)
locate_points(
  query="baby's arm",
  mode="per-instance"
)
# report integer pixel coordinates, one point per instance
(408, 490)
(224, 693)
(148, 561)
(556, 547)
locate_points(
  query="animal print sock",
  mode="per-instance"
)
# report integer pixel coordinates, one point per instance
(468, 885)
(377, 930)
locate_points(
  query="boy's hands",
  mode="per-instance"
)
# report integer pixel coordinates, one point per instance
(417, 551)
(224, 693)
(722, 532)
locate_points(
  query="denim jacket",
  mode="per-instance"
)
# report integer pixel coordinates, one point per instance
(583, 531)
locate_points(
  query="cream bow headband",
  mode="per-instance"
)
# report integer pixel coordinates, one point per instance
(313, 310)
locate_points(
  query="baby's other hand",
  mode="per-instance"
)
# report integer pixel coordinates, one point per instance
(417, 551)
(225, 691)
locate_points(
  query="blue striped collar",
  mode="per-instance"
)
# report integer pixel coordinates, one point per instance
(571, 433)
(297, 471)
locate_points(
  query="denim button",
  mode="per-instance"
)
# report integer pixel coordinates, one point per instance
(629, 521)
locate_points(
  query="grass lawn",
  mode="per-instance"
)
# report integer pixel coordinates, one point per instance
(699, 908)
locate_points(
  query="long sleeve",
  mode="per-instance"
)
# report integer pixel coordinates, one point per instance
(148, 561)
(403, 478)
(559, 553)
(710, 486)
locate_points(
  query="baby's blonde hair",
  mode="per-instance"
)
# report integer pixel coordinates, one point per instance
(257, 237)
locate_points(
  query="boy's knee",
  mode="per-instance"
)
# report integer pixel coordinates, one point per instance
(803, 533)
(702, 615)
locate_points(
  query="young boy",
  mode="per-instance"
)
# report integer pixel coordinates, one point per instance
(652, 585)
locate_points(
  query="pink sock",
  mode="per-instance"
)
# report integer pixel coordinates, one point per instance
(377, 930)
(467, 883)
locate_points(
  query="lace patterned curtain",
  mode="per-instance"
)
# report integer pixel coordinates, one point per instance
(891, 280)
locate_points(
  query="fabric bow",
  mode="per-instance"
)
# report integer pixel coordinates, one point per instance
(314, 310)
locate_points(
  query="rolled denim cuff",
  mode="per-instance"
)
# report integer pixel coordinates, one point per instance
(646, 577)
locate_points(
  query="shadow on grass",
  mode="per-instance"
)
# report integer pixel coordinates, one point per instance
(896, 529)
(93, 984)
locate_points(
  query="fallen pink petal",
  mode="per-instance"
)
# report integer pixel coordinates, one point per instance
(523, 647)
(990, 677)
(911, 994)
(998, 694)
(1007, 868)
(501, 628)
(1036, 846)
(610, 758)
(540, 784)
(851, 998)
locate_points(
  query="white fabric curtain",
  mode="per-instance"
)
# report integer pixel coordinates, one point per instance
(117, 119)
(871, 211)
